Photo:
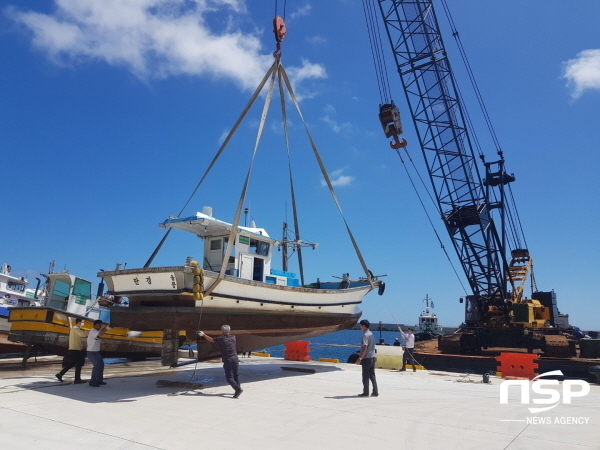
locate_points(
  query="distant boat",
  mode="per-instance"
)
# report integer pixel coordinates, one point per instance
(428, 321)
(14, 292)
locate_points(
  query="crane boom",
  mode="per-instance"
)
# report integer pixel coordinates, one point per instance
(463, 199)
(496, 314)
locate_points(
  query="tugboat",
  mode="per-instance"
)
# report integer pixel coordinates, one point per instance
(428, 327)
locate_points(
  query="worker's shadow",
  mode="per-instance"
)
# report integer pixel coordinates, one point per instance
(120, 389)
(342, 397)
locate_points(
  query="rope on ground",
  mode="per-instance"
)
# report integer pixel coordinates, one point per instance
(185, 390)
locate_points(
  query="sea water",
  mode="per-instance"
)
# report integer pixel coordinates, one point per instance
(339, 345)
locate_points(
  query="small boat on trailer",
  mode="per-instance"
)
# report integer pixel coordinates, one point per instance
(263, 306)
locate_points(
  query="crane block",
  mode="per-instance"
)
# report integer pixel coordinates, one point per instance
(279, 28)
(389, 116)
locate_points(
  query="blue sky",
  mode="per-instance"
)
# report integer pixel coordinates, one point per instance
(111, 110)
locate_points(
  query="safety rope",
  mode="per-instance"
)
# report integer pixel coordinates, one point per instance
(238, 212)
(287, 146)
(185, 389)
(218, 154)
(283, 74)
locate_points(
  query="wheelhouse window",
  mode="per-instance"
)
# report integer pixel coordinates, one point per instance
(259, 247)
(18, 287)
(82, 288)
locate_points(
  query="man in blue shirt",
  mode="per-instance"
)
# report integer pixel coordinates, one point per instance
(366, 359)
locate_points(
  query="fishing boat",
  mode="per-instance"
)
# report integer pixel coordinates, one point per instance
(233, 282)
(264, 306)
(66, 298)
(14, 292)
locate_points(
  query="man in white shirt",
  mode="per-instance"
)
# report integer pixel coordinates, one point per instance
(409, 338)
(93, 353)
(366, 359)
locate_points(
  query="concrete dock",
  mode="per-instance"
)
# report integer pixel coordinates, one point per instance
(280, 409)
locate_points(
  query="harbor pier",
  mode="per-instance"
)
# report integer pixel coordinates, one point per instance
(146, 406)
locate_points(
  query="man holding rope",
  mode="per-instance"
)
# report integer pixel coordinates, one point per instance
(228, 346)
(409, 349)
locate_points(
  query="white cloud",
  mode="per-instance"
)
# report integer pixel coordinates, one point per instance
(155, 39)
(583, 72)
(315, 40)
(301, 11)
(277, 126)
(329, 109)
(339, 179)
(336, 126)
(307, 71)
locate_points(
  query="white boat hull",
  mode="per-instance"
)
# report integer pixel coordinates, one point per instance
(260, 314)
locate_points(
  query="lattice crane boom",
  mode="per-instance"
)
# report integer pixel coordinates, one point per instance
(463, 199)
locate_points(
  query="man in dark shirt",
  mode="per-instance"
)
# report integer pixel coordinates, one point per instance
(227, 344)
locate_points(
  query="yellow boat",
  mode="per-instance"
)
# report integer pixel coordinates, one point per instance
(67, 298)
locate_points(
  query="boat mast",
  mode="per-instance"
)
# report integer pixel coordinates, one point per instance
(284, 248)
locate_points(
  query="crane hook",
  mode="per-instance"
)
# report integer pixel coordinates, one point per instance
(398, 143)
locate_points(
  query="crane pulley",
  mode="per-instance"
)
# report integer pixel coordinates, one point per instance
(280, 31)
(389, 116)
